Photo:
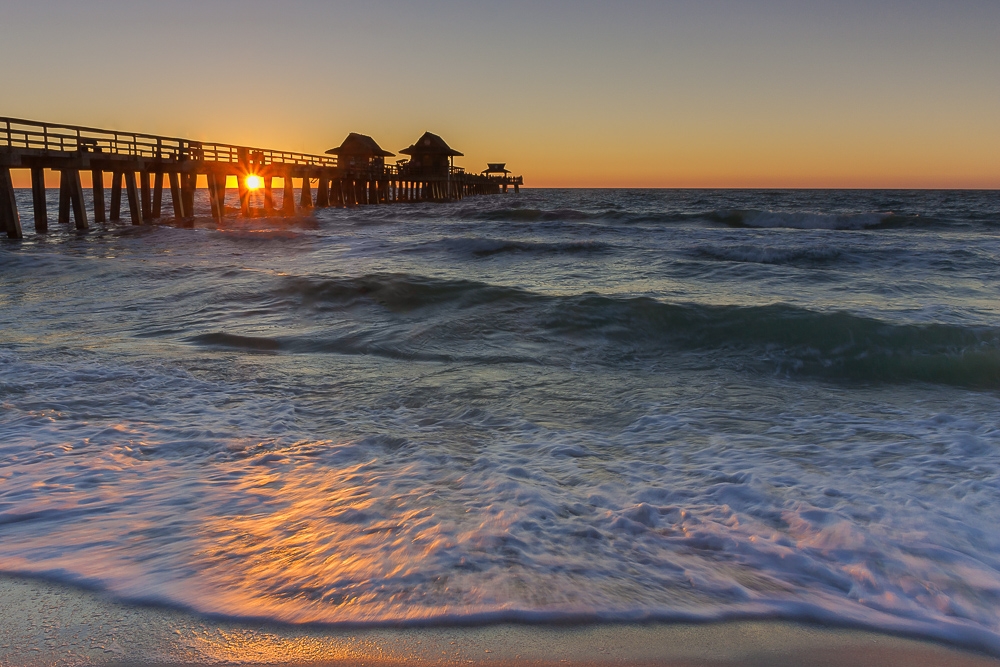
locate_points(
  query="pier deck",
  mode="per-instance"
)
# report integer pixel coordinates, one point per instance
(142, 161)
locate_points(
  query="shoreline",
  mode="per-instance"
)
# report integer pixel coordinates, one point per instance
(47, 623)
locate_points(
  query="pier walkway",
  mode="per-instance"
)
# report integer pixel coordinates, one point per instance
(140, 162)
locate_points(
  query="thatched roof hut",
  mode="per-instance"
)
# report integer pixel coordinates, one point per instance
(359, 145)
(359, 152)
(430, 155)
(430, 144)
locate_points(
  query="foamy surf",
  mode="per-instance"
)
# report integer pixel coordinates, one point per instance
(585, 412)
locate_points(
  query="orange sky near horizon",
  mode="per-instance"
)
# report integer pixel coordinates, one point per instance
(760, 94)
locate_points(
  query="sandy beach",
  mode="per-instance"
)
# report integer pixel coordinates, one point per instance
(45, 623)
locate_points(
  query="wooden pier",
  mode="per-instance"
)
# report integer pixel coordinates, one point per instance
(144, 165)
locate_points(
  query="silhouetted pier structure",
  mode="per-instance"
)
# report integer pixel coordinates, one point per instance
(353, 174)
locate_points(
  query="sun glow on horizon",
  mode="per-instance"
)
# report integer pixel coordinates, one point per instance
(254, 182)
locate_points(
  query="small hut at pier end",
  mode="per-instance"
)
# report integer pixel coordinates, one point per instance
(495, 168)
(430, 156)
(360, 154)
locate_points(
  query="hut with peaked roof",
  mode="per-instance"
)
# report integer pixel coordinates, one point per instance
(360, 153)
(430, 155)
(496, 168)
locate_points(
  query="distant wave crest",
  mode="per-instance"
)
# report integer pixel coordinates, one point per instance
(461, 314)
(750, 218)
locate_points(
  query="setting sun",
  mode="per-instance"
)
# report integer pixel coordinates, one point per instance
(254, 182)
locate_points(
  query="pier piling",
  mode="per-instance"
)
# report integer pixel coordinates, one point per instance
(38, 200)
(323, 192)
(134, 203)
(288, 196)
(175, 196)
(305, 196)
(63, 197)
(76, 200)
(9, 217)
(100, 214)
(116, 195)
(157, 195)
(269, 196)
(147, 200)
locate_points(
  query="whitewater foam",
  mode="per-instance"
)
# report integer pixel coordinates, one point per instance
(613, 407)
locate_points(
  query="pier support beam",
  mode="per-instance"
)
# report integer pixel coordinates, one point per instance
(76, 200)
(323, 192)
(38, 200)
(100, 213)
(338, 192)
(63, 197)
(217, 195)
(147, 201)
(268, 196)
(241, 187)
(288, 196)
(157, 195)
(116, 195)
(175, 195)
(71, 197)
(9, 217)
(305, 197)
(213, 196)
(134, 203)
(188, 184)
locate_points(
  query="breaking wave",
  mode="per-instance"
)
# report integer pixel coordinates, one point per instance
(751, 218)
(602, 329)
(487, 247)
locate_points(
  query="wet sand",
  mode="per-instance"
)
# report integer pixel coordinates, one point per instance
(45, 623)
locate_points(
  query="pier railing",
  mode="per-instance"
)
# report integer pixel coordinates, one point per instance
(55, 138)
(145, 161)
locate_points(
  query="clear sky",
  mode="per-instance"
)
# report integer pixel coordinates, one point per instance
(686, 93)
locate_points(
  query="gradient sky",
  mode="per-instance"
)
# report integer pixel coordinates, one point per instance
(706, 93)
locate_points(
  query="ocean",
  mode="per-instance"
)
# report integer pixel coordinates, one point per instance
(557, 406)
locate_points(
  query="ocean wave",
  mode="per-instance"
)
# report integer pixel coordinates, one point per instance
(221, 339)
(803, 220)
(751, 218)
(789, 339)
(487, 247)
(518, 214)
(781, 338)
(757, 254)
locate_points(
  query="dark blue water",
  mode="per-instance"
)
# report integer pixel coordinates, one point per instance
(564, 404)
